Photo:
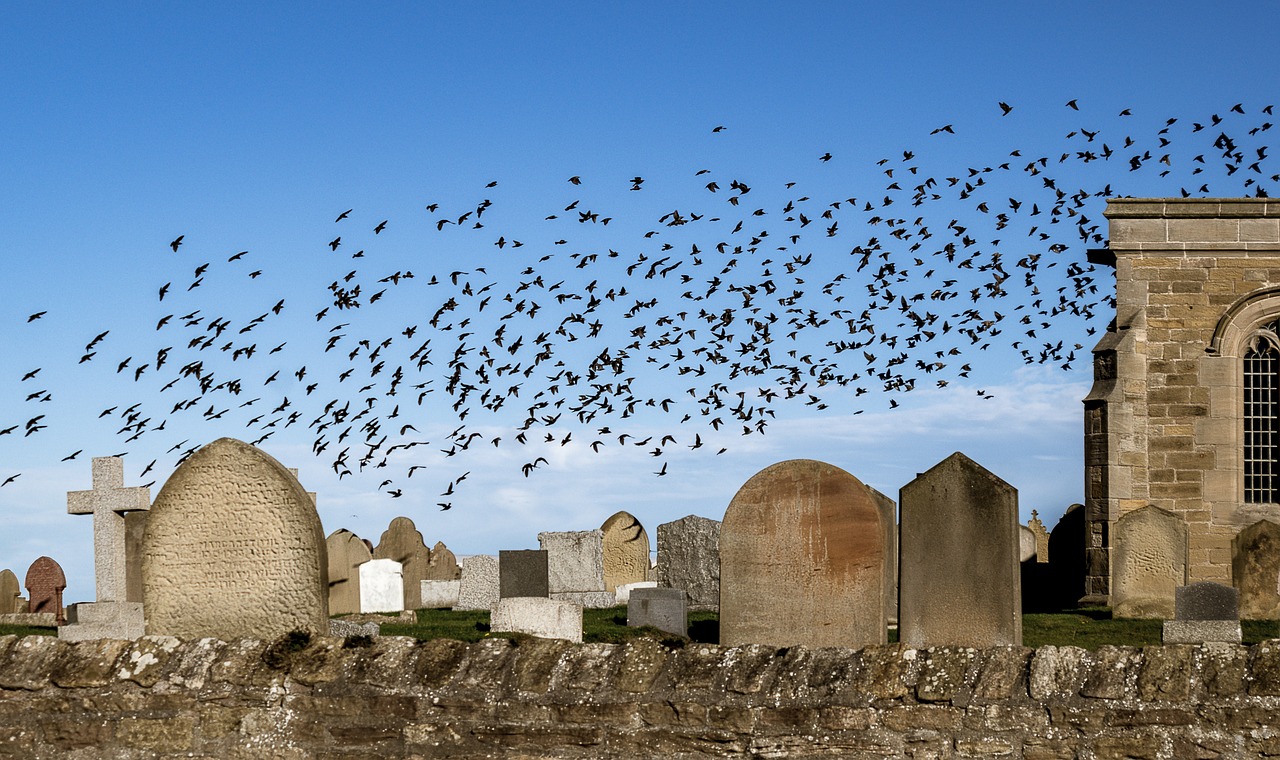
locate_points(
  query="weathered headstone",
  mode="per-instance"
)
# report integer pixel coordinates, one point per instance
(959, 574)
(234, 549)
(689, 559)
(346, 552)
(535, 616)
(625, 547)
(663, 608)
(381, 586)
(1149, 561)
(1205, 611)
(1042, 537)
(802, 560)
(10, 591)
(135, 528)
(1026, 544)
(443, 565)
(108, 502)
(1255, 570)
(523, 572)
(479, 587)
(889, 523)
(440, 595)
(402, 542)
(45, 583)
(575, 567)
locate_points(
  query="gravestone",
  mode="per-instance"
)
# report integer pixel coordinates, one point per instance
(1149, 561)
(1064, 581)
(802, 560)
(575, 567)
(523, 572)
(1026, 544)
(346, 552)
(443, 565)
(889, 522)
(402, 542)
(45, 583)
(622, 594)
(663, 608)
(689, 559)
(113, 615)
(478, 588)
(959, 583)
(625, 546)
(381, 586)
(108, 502)
(234, 549)
(10, 592)
(135, 527)
(1042, 537)
(440, 595)
(1205, 611)
(1255, 570)
(537, 616)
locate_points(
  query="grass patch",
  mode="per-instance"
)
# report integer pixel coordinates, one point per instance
(27, 630)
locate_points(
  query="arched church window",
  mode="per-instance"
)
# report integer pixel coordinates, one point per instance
(1262, 416)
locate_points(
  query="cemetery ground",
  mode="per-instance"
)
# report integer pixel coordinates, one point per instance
(1088, 628)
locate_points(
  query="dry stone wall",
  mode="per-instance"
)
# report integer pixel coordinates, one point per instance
(397, 697)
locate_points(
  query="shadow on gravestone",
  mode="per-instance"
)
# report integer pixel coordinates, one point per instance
(1061, 579)
(45, 583)
(802, 560)
(959, 582)
(346, 552)
(1255, 570)
(625, 545)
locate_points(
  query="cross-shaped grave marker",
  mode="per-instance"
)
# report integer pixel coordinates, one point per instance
(107, 502)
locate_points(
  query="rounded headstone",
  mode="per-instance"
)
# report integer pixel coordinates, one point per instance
(443, 565)
(626, 551)
(45, 583)
(233, 549)
(1149, 562)
(347, 552)
(1255, 569)
(802, 560)
(402, 542)
(9, 592)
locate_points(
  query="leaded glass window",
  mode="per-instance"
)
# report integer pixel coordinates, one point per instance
(1262, 416)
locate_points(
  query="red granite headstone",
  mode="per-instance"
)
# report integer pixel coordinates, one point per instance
(45, 583)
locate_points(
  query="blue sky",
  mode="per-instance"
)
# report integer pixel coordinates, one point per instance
(252, 129)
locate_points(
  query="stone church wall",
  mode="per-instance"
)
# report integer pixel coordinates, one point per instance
(397, 697)
(1163, 421)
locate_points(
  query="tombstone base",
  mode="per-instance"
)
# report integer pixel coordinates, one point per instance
(35, 619)
(1201, 631)
(666, 609)
(438, 595)
(341, 629)
(592, 600)
(103, 620)
(536, 616)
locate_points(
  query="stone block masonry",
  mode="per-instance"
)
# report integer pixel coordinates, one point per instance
(397, 697)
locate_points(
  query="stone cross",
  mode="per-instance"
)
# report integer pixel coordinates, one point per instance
(108, 502)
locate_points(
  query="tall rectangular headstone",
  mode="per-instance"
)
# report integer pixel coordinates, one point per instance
(958, 558)
(479, 587)
(1148, 563)
(234, 549)
(381, 586)
(1255, 570)
(689, 559)
(575, 567)
(522, 572)
(802, 560)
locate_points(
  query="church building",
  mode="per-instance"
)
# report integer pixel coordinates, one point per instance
(1184, 413)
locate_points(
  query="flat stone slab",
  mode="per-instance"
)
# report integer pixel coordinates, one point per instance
(440, 595)
(381, 586)
(523, 572)
(103, 620)
(1201, 631)
(341, 629)
(544, 618)
(592, 600)
(666, 609)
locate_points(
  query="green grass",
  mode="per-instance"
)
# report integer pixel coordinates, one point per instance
(27, 630)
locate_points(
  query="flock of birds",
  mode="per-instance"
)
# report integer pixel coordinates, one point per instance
(712, 314)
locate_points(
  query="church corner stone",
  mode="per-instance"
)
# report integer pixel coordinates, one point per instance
(234, 548)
